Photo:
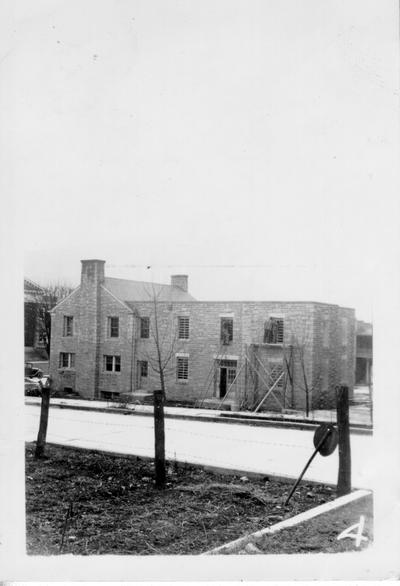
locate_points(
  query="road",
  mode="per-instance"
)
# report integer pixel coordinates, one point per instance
(268, 450)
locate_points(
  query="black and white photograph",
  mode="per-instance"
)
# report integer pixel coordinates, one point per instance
(200, 243)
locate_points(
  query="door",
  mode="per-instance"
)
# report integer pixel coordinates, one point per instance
(142, 374)
(222, 381)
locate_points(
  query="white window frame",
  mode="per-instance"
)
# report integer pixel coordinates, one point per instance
(115, 361)
(110, 326)
(70, 360)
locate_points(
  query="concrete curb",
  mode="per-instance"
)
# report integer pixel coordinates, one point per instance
(238, 544)
(210, 418)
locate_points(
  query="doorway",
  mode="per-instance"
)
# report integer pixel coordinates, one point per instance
(142, 374)
(227, 375)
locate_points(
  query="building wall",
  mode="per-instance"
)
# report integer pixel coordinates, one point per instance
(324, 333)
(333, 356)
(64, 377)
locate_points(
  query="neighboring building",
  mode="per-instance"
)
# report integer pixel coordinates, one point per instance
(363, 353)
(245, 352)
(34, 343)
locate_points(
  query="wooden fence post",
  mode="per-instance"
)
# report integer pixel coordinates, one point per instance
(44, 418)
(343, 422)
(159, 436)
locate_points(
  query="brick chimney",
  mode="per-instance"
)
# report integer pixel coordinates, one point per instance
(180, 281)
(92, 272)
(90, 319)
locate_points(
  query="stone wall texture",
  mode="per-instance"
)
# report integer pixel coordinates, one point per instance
(318, 350)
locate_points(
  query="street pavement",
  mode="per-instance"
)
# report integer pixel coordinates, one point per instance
(266, 450)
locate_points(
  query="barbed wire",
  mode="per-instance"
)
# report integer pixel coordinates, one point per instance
(171, 454)
(172, 429)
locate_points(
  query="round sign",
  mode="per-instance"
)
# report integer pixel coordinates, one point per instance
(326, 439)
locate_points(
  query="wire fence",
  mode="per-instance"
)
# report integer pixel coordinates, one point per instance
(254, 449)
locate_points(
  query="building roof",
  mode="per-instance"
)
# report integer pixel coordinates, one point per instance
(131, 291)
(32, 287)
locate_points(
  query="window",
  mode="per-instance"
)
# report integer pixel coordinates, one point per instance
(112, 363)
(67, 360)
(182, 368)
(145, 327)
(230, 366)
(273, 331)
(113, 327)
(109, 395)
(144, 368)
(276, 371)
(183, 328)
(231, 375)
(68, 329)
(226, 330)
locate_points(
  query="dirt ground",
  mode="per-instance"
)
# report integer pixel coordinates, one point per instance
(86, 503)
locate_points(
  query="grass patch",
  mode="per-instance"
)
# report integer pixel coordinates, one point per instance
(117, 510)
(320, 535)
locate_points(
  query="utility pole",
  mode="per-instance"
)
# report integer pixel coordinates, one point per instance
(159, 436)
(343, 422)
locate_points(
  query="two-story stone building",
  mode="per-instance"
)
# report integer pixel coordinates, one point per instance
(110, 336)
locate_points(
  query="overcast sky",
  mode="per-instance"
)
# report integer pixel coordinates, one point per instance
(250, 144)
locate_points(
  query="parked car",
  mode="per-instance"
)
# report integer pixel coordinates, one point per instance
(32, 371)
(33, 385)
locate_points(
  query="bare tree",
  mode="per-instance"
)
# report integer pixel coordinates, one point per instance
(163, 333)
(38, 311)
(297, 374)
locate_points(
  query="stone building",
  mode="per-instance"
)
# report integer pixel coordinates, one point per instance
(245, 354)
(35, 350)
(363, 353)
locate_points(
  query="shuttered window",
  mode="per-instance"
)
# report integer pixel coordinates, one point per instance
(226, 330)
(182, 368)
(183, 328)
(274, 331)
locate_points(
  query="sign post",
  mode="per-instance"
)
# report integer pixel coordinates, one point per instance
(325, 442)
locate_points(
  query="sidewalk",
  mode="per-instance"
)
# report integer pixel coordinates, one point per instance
(345, 524)
(359, 414)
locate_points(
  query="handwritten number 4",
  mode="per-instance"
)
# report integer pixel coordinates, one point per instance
(358, 536)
